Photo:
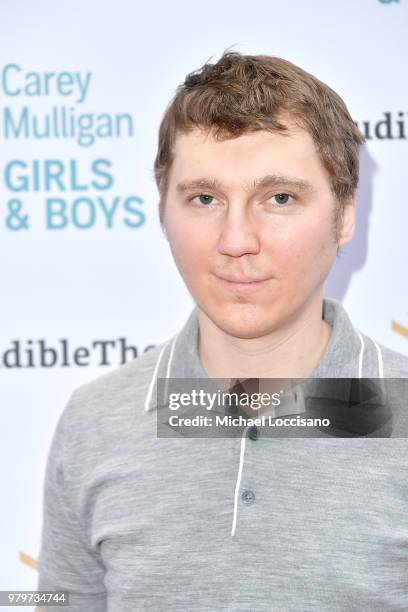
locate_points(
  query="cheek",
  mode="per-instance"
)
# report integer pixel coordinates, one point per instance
(301, 248)
(190, 247)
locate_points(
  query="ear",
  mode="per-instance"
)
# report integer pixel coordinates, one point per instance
(347, 221)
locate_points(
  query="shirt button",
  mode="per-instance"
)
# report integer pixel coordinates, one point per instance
(253, 432)
(248, 497)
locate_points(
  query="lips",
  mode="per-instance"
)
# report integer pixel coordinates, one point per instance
(240, 279)
(239, 286)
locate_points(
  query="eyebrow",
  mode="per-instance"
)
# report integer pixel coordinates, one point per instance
(270, 180)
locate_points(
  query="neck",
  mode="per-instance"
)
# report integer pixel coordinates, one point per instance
(291, 351)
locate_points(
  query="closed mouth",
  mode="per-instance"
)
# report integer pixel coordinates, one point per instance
(242, 281)
(241, 285)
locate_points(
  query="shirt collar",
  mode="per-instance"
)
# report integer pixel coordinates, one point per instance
(339, 360)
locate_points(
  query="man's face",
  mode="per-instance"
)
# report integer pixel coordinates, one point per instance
(226, 227)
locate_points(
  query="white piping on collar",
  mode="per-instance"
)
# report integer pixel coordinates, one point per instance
(238, 483)
(156, 369)
(360, 359)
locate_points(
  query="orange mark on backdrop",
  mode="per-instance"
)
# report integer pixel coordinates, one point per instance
(399, 328)
(27, 560)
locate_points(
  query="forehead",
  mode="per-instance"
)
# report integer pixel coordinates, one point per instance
(293, 152)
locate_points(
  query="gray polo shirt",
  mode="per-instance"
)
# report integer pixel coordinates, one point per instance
(135, 522)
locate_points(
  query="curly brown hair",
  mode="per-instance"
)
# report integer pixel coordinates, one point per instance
(245, 93)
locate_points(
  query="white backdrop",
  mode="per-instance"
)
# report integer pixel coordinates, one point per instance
(72, 275)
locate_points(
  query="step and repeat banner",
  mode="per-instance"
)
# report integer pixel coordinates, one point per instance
(87, 278)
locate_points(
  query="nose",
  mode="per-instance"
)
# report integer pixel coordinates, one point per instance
(239, 233)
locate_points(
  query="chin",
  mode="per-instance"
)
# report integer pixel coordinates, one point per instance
(243, 321)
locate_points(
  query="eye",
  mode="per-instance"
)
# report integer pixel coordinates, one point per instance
(205, 199)
(281, 199)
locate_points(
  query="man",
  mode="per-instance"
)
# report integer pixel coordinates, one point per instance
(257, 169)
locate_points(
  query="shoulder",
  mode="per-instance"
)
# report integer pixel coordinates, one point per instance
(129, 381)
(108, 412)
(395, 364)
